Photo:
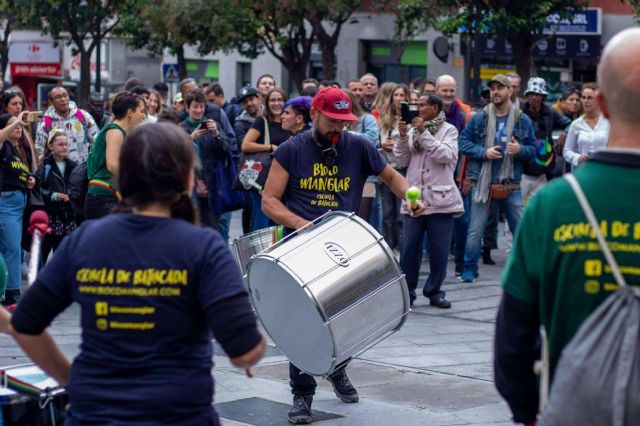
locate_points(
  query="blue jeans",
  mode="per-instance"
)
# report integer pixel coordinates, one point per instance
(259, 220)
(12, 204)
(224, 221)
(439, 228)
(375, 215)
(460, 230)
(512, 206)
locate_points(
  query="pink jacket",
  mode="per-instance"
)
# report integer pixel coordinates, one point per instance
(432, 169)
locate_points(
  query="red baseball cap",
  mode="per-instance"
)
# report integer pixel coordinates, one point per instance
(334, 103)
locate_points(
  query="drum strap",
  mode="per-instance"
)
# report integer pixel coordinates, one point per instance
(18, 385)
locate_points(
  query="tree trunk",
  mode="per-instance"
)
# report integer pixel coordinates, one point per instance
(182, 62)
(328, 48)
(523, 56)
(4, 48)
(85, 76)
(4, 55)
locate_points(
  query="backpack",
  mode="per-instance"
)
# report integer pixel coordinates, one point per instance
(48, 123)
(597, 379)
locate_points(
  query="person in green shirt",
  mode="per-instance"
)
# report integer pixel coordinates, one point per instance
(557, 275)
(128, 112)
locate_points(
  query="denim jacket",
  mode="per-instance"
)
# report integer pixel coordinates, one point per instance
(473, 136)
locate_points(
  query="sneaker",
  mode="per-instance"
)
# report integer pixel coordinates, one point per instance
(440, 302)
(468, 276)
(459, 269)
(343, 387)
(300, 412)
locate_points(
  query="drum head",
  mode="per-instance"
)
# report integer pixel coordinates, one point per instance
(299, 330)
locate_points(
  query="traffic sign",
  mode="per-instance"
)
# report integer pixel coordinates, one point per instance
(170, 73)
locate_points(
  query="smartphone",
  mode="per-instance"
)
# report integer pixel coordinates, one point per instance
(408, 111)
(33, 117)
(203, 126)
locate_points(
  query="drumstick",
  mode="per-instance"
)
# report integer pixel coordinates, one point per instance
(249, 372)
(413, 193)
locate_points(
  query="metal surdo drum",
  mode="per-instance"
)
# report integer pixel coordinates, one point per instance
(29, 397)
(329, 293)
(244, 247)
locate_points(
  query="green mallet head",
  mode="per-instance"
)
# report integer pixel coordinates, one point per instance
(413, 194)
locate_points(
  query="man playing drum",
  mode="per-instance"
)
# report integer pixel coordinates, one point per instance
(314, 172)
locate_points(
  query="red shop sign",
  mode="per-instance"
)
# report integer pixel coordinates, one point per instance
(36, 70)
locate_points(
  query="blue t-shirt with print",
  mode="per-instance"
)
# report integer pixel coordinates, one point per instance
(317, 186)
(501, 141)
(146, 287)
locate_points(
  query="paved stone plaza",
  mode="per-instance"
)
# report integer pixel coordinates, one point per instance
(437, 370)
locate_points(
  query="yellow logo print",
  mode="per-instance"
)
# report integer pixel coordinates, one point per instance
(102, 324)
(102, 308)
(591, 287)
(593, 268)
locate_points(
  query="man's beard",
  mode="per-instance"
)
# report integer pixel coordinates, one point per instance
(327, 140)
(327, 143)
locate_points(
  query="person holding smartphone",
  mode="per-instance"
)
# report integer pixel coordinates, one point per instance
(429, 150)
(210, 144)
(498, 141)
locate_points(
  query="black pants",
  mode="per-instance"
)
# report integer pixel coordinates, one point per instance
(391, 218)
(98, 205)
(303, 384)
(49, 243)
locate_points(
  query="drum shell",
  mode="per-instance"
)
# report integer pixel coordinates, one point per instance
(330, 293)
(20, 410)
(248, 245)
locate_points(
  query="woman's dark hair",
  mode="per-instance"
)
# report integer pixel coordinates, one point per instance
(267, 111)
(4, 119)
(140, 90)
(123, 102)
(156, 162)
(11, 93)
(195, 95)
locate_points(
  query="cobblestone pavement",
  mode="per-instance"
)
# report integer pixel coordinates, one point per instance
(436, 370)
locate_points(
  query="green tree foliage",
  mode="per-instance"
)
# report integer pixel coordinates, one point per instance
(166, 24)
(13, 15)
(83, 23)
(636, 7)
(285, 28)
(522, 23)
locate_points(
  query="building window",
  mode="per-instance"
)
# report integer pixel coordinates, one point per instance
(395, 62)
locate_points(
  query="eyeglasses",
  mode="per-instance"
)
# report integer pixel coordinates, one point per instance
(60, 96)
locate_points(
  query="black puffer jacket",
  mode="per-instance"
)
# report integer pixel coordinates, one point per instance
(50, 180)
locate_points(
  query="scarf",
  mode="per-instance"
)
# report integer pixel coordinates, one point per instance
(454, 117)
(506, 169)
(432, 126)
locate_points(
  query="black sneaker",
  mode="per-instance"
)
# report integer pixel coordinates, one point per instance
(440, 302)
(343, 387)
(459, 269)
(300, 412)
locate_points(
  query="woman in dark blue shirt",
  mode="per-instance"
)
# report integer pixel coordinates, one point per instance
(153, 290)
